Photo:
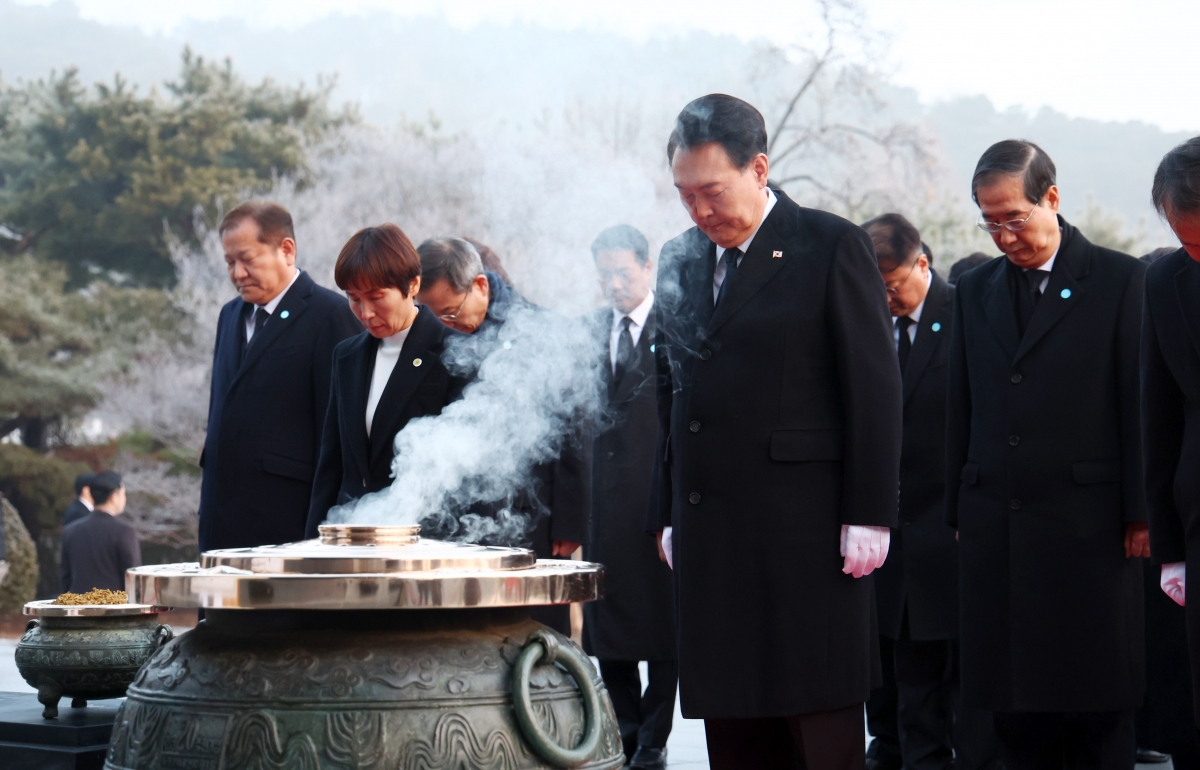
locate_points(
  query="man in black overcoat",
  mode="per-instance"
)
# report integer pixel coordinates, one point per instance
(1043, 476)
(464, 296)
(635, 621)
(270, 385)
(779, 446)
(1171, 391)
(82, 505)
(917, 589)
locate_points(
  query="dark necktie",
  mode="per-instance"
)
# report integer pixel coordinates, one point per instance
(904, 347)
(1028, 298)
(731, 266)
(624, 350)
(260, 319)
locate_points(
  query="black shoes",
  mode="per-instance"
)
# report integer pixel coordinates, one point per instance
(1148, 757)
(649, 759)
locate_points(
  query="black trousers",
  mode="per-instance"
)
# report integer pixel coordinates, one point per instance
(916, 718)
(826, 740)
(644, 718)
(1098, 740)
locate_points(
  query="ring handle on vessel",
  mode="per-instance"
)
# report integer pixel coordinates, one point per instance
(543, 647)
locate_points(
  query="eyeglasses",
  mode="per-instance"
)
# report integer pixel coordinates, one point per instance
(452, 317)
(1012, 225)
(894, 288)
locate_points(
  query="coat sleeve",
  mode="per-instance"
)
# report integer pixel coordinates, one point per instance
(64, 565)
(659, 514)
(571, 501)
(958, 411)
(869, 374)
(328, 478)
(1129, 331)
(130, 551)
(1162, 442)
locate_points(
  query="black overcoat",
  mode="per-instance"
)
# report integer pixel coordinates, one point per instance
(265, 415)
(922, 565)
(1171, 425)
(1043, 473)
(636, 618)
(779, 421)
(353, 464)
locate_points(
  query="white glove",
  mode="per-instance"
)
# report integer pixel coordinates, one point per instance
(865, 548)
(1172, 580)
(666, 542)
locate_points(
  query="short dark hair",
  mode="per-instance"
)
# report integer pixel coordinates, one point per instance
(897, 242)
(81, 481)
(452, 259)
(1176, 187)
(377, 258)
(927, 251)
(489, 258)
(730, 122)
(966, 263)
(1016, 157)
(625, 238)
(274, 221)
(103, 485)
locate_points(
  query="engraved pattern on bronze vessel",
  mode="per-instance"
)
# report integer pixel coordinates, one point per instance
(355, 739)
(254, 744)
(455, 746)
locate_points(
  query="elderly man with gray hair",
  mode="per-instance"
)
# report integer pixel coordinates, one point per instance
(465, 296)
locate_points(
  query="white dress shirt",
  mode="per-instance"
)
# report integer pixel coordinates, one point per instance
(637, 322)
(386, 357)
(87, 505)
(914, 315)
(719, 273)
(1047, 267)
(269, 307)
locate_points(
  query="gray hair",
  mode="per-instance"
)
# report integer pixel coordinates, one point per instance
(452, 259)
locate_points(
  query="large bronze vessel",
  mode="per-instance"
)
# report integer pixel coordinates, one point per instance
(368, 649)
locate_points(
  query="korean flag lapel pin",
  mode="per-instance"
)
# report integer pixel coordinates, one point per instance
(776, 255)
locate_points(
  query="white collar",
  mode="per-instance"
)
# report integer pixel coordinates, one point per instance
(1046, 267)
(87, 505)
(638, 315)
(744, 246)
(270, 306)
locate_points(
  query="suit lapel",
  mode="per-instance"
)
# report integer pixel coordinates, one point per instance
(759, 264)
(641, 366)
(932, 329)
(1062, 293)
(416, 359)
(1187, 288)
(286, 314)
(998, 305)
(231, 342)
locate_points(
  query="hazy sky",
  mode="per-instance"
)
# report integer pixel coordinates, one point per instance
(1105, 60)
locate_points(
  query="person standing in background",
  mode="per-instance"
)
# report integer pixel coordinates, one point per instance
(82, 505)
(465, 297)
(270, 385)
(98, 549)
(1044, 476)
(635, 621)
(1170, 369)
(778, 452)
(917, 589)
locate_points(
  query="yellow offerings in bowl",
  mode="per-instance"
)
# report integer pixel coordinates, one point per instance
(94, 596)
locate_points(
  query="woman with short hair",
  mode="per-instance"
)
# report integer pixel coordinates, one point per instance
(384, 377)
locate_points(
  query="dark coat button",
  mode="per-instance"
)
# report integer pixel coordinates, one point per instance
(1014, 504)
(611, 455)
(694, 498)
(694, 426)
(1014, 440)
(705, 354)
(1015, 379)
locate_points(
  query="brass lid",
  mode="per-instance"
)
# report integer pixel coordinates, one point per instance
(360, 567)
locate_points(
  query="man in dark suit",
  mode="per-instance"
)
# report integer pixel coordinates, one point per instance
(1171, 393)
(464, 296)
(635, 621)
(270, 385)
(97, 549)
(779, 452)
(917, 589)
(82, 505)
(1043, 476)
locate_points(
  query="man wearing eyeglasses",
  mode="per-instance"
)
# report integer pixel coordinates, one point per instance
(455, 286)
(1044, 476)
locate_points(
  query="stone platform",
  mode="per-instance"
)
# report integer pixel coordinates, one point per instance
(76, 740)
